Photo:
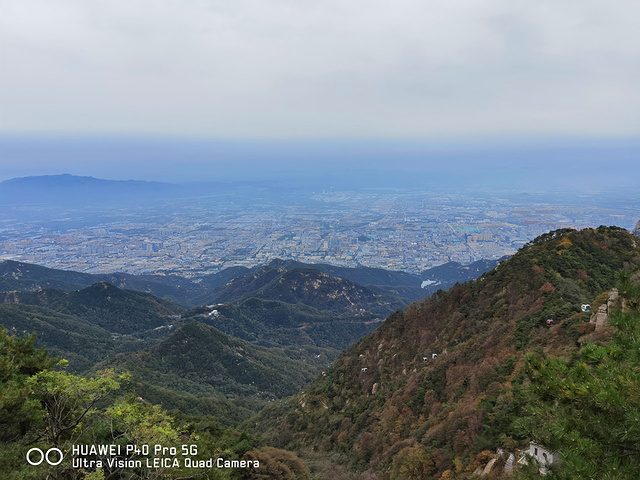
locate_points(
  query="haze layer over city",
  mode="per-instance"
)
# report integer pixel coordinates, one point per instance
(89, 225)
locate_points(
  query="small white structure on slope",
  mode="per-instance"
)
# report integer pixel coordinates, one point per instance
(542, 455)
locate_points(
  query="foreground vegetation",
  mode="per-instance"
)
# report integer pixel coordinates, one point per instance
(42, 406)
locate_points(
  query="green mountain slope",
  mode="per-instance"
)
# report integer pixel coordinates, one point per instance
(65, 336)
(29, 277)
(273, 323)
(119, 310)
(388, 404)
(89, 325)
(25, 276)
(198, 369)
(114, 309)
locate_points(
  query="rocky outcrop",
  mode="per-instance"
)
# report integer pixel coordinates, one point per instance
(636, 231)
(502, 461)
(600, 317)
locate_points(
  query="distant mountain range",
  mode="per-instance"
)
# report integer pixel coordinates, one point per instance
(67, 180)
(73, 190)
(65, 189)
(308, 286)
(160, 343)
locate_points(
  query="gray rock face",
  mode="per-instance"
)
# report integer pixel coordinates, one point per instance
(600, 317)
(636, 231)
(614, 300)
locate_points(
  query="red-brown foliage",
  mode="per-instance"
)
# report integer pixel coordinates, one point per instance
(547, 287)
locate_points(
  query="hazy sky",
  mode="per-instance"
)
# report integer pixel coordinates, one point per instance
(583, 164)
(285, 69)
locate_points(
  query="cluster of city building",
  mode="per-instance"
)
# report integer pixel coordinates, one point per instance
(407, 231)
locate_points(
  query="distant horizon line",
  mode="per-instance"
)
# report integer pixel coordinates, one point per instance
(611, 162)
(441, 140)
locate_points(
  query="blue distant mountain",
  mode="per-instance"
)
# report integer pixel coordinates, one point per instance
(68, 188)
(68, 180)
(72, 190)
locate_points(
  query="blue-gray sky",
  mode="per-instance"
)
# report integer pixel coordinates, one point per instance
(311, 69)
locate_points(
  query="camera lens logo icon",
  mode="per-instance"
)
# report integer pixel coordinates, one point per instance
(35, 453)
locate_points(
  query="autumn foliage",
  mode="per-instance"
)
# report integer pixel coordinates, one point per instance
(433, 416)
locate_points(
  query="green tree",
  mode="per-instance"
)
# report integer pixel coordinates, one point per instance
(19, 360)
(68, 400)
(20, 412)
(44, 408)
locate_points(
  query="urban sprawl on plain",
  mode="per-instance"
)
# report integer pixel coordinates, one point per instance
(196, 236)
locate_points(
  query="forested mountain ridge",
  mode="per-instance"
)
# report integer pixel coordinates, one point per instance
(389, 406)
(361, 275)
(386, 407)
(199, 370)
(405, 286)
(24, 277)
(273, 323)
(115, 309)
(46, 409)
(310, 287)
(178, 362)
(87, 326)
(131, 320)
(282, 304)
(21, 276)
